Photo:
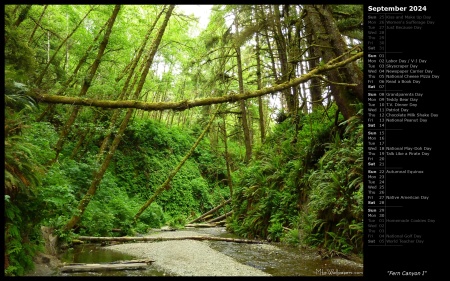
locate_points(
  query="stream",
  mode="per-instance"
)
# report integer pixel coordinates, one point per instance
(281, 260)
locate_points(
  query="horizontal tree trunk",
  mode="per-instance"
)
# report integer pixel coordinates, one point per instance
(156, 239)
(183, 105)
(118, 265)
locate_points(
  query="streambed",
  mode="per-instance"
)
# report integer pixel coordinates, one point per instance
(211, 258)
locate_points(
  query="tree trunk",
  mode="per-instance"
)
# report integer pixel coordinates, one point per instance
(23, 15)
(126, 86)
(244, 121)
(280, 40)
(201, 225)
(227, 156)
(44, 71)
(315, 88)
(183, 105)
(69, 80)
(99, 174)
(86, 83)
(262, 129)
(37, 24)
(327, 35)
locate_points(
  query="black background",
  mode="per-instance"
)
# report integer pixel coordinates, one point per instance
(427, 257)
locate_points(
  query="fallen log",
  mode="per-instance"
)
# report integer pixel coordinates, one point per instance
(221, 223)
(117, 265)
(211, 211)
(76, 241)
(220, 217)
(207, 217)
(156, 239)
(201, 225)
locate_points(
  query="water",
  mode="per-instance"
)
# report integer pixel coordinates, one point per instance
(275, 258)
(283, 260)
(280, 259)
(94, 253)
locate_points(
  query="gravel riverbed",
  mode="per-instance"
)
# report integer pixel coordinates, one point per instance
(187, 257)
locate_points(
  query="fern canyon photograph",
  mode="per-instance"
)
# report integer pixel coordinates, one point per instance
(201, 139)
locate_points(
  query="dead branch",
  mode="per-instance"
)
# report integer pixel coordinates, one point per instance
(211, 211)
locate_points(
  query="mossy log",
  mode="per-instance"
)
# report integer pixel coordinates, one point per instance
(187, 104)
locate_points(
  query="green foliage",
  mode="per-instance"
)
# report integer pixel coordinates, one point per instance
(176, 221)
(271, 194)
(112, 208)
(160, 152)
(58, 196)
(313, 186)
(20, 235)
(275, 231)
(291, 237)
(131, 179)
(21, 166)
(16, 96)
(18, 54)
(349, 20)
(21, 170)
(61, 189)
(335, 210)
(96, 220)
(271, 190)
(153, 217)
(23, 174)
(211, 167)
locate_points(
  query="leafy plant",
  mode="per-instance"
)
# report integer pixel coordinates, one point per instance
(291, 237)
(336, 193)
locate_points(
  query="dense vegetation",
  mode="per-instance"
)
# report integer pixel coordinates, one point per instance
(293, 170)
(312, 187)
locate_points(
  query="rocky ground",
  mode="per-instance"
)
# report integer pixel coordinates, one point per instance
(176, 257)
(187, 257)
(45, 265)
